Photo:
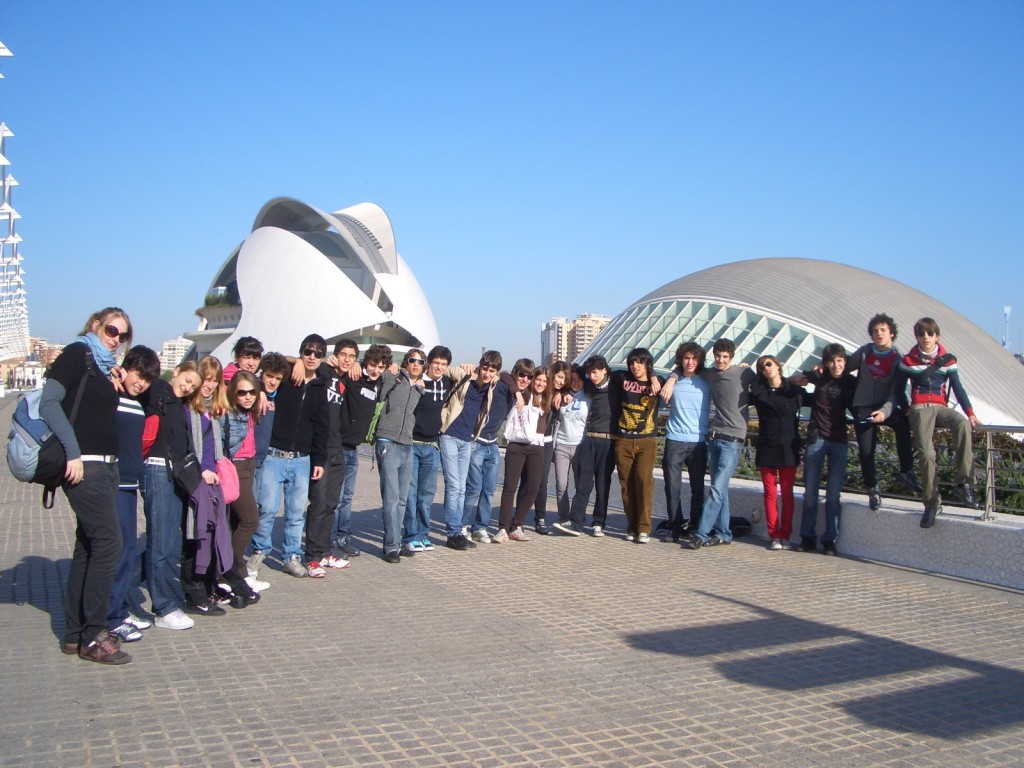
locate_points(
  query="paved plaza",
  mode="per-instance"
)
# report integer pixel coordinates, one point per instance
(552, 652)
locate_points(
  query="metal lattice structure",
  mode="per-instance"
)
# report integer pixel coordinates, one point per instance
(14, 340)
(791, 308)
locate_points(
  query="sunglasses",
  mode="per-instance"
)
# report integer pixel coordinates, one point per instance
(922, 334)
(416, 361)
(767, 364)
(114, 332)
(245, 392)
(524, 375)
(311, 352)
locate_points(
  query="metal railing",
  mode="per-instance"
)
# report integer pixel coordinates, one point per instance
(1004, 471)
(998, 468)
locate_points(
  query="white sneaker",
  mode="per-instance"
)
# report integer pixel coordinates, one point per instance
(643, 538)
(137, 622)
(253, 564)
(256, 585)
(176, 619)
(482, 536)
(597, 530)
(775, 546)
(127, 632)
(333, 561)
(500, 537)
(630, 537)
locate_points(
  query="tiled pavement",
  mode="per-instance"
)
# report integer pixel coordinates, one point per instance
(554, 652)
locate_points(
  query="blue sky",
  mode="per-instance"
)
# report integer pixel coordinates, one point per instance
(536, 159)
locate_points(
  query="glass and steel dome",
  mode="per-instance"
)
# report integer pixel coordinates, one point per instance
(792, 308)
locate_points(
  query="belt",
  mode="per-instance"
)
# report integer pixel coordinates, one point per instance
(104, 458)
(156, 461)
(602, 435)
(287, 454)
(727, 438)
(425, 442)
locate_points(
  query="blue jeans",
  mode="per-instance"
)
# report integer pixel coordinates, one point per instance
(723, 456)
(814, 462)
(127, 520)
(394, 461)
(164, 510)
(292, 477)
(343, 510)
(693, 456)
(455, 466)
(426, 460)
(481, 481)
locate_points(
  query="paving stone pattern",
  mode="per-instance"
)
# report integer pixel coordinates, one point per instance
(552, 652)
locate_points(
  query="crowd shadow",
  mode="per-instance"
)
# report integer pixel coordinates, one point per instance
(37, 582)
(984, 697)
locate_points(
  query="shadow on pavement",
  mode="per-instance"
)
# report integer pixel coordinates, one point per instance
(986, 697)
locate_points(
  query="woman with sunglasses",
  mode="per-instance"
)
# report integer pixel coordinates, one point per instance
(238, 429)
(82, 372)
(778, 445)
(525, 430)
(558, 376)
(207, 553)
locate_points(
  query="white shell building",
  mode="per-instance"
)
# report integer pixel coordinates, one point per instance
(304, 271)
(791, 308)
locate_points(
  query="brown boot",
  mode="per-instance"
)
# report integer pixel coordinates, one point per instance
(104, 650)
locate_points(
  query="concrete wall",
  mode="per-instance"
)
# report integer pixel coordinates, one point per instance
(959, 545)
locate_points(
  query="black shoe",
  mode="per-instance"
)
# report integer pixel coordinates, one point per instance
(239, 600)
(207, 608)
(829, 548)
(930, 513)
(966, 494)
(694, 542)
(403, 552)
(874, 499)
(808, 544)
(714, 541)
(541, 527)
(392, 557)
(346, 550)
(458, 541)
(908, 479)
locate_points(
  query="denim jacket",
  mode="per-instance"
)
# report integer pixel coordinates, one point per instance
(234, 427)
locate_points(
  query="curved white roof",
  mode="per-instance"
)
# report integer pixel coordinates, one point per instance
(835, 301)
(303, 271)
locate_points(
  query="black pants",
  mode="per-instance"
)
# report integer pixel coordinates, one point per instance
(596, 460)
(323, 498)
(97, 551)
(523, 468)
(866, 440)
(540, 507)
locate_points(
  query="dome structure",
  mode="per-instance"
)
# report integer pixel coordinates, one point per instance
(304, 271)
(792, 308)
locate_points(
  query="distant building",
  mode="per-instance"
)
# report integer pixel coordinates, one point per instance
(583, 332)
(44, 351)
(554, 340)
(564, 339)
(14, 342)
(174, 352)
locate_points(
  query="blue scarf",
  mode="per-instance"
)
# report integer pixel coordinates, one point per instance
(104, 357)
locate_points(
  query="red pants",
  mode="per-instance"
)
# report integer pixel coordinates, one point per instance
(772, 478)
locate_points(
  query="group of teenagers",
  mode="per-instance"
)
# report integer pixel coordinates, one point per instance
(274, 432)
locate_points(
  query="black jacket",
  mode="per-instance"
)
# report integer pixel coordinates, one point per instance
(301, 419)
